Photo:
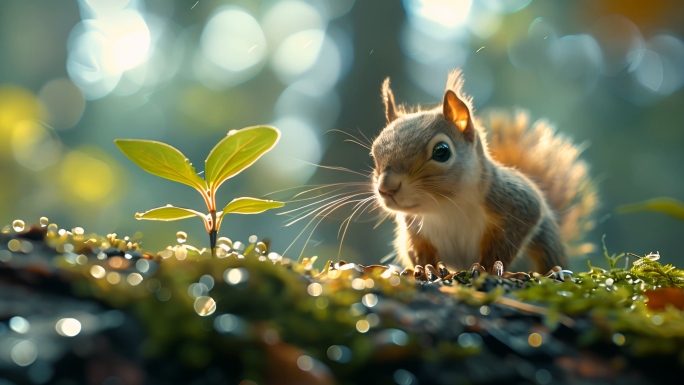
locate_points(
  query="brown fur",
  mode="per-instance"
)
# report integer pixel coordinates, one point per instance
(552, 163)
(525, 191)
(422, 252)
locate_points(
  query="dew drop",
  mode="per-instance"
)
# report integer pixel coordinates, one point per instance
(370, 300)
(205, 306)
(223, 241)
(221, 252)
(134, 279)
(261, 247)
(78, 232)
(358, 283)
(98, 271)
(52, 229)
(44, 221)
(18, 225)
(315, 289)
(181, 252)
(235, 276)
(181, 237)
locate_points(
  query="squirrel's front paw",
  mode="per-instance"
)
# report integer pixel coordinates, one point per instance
(429, 273)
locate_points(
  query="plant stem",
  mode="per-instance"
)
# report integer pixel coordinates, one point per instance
(212, 242)
(213, 233)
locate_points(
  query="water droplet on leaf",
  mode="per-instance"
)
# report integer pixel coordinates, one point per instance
(181, 237)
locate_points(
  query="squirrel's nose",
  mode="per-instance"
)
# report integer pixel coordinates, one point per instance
(386, 190)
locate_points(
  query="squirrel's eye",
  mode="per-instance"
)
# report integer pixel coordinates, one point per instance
(441, 152)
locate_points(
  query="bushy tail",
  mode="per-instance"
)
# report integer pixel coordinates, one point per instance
(551, 161)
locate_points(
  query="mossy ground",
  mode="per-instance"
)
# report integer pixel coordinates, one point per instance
(253, 315)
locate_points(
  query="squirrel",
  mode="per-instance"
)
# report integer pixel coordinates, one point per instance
(463, 200)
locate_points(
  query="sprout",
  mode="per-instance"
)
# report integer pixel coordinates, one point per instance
(234, 153)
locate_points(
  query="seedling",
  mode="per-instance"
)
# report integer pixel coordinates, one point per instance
(230, 156)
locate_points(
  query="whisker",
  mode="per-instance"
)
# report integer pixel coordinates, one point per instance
(314, 203)
(370, 142)
(449, 199)
(355, 209)
(360, 144)
(322, 208)
(356, 139)
(322, 214)
(323, 186)
(384, 217)
(336, 168)
(348, 220)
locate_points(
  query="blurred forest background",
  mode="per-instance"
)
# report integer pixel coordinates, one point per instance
(74, 75)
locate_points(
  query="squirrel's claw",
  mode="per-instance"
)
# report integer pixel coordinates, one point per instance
(498, 269)
(419, 273)
(559, 274)
(475, 270)
(432, 273)
(443, 272)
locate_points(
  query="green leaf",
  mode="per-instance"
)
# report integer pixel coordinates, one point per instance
(168, 213)
(238, 151)
(250, 206)
(161, 160)
(668, 206)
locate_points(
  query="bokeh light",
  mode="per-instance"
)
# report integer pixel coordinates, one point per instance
(64, 103)
(233, 40)
(24, 353)
(87, 174)
(68, 327)
(109, 41)
(19, 324)
(34, 146)
(298, 152)
(438, 17)
(205, 306)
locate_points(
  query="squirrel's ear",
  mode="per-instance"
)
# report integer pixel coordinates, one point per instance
(456, 111)
(388, 98)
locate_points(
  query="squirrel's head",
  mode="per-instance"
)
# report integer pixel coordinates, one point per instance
(422, 159)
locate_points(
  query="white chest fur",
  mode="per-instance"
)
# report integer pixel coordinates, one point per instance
(456, 230)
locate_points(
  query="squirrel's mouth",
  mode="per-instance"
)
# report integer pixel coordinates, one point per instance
(391, 204)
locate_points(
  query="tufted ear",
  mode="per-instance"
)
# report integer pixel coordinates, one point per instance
(457, 112)
(388, 98)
